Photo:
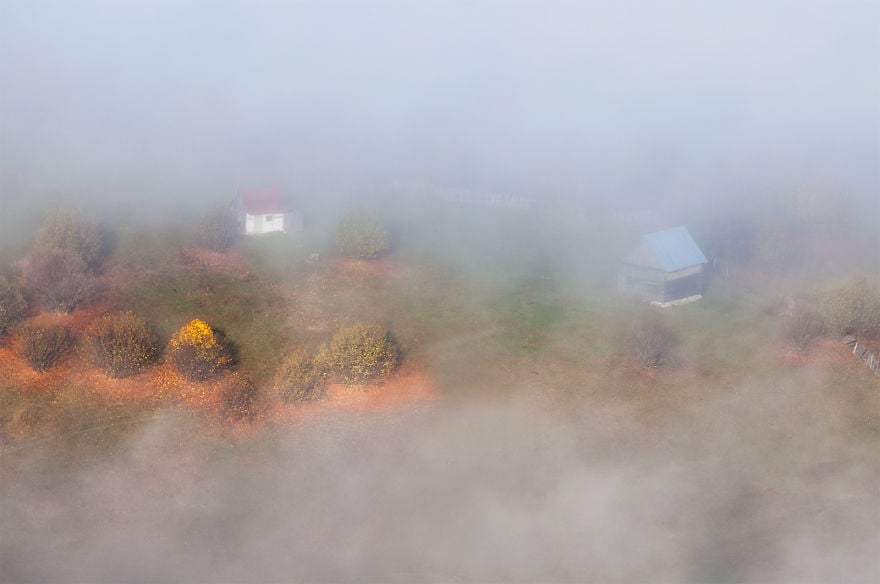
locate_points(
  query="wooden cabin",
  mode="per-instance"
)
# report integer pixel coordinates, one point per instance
(267, 211)
(666, 268)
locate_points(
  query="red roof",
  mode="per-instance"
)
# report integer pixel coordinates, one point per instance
(262, 201)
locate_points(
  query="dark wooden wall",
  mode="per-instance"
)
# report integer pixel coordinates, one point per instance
(656, 285)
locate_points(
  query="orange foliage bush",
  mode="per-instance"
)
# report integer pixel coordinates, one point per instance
(199, 352)
(43, 345)
(238, 397)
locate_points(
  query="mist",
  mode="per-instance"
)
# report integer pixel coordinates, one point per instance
(639, 99)
(549, 455)
(517, 491)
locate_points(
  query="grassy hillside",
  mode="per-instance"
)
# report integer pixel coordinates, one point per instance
(517, 377)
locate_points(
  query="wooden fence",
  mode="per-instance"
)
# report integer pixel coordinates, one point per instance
(863, 353)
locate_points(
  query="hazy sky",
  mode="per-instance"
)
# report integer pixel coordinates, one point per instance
(542, 96)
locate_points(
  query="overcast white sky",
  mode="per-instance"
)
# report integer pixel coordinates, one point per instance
(541, 95)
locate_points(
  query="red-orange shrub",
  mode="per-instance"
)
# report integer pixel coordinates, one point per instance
(43, 345)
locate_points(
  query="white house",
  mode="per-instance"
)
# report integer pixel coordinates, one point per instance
(267, 211)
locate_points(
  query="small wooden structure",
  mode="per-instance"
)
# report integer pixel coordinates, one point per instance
(267, 211)
(665, 269)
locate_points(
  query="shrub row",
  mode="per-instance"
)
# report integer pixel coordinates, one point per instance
(122, 344)
(361, 353)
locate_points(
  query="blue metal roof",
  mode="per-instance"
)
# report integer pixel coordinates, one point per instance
(675, 249)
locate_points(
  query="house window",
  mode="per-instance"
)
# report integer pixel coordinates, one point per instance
(270, 217)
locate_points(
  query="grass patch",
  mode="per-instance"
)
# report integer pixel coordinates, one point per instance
(67, 419)
(278, 256)
(529, 313)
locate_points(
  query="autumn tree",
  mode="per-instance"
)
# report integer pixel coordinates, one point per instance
(59, 278)
(219, 229)
(361, 235)
(73, 232)
(12, 305)
(299, 377)
(360, 353)
(42, 345)
(121, 344)
(199, 352)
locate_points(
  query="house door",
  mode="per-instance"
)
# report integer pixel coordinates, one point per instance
(258, 223)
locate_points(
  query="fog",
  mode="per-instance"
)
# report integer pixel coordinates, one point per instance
(548, 98)
(147, 112)
(518, 491)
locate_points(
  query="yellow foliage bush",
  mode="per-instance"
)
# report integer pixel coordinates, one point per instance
(199, 352)
(299, 377)
(121, 344)
(360, 353)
